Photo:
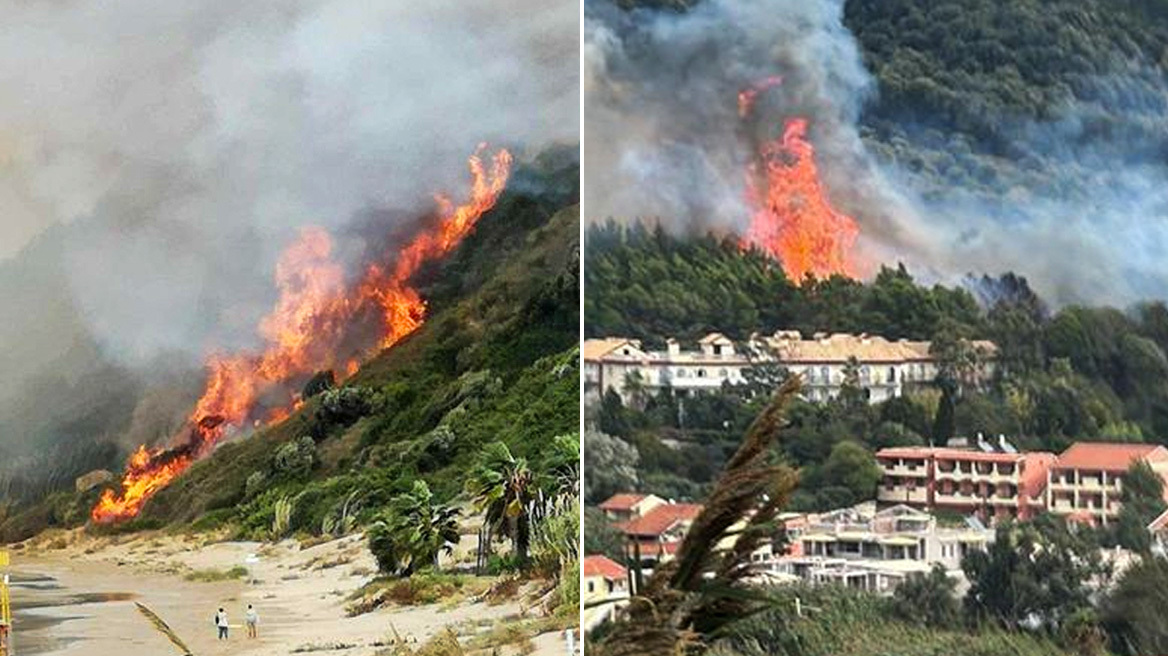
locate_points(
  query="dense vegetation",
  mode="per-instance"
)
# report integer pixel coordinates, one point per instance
(1074, 374)
(1008, 101)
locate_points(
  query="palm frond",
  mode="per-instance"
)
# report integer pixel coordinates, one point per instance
(694, 598)
(163, 628)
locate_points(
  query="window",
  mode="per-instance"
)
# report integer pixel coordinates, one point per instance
(591, 587)
(722, 373)
(681, 373)
(701, 373)
(892, 374)
(825, 374)
(717, 349)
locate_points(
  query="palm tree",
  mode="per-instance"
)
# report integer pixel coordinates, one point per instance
(505, 489)
(563, 468)
(413, 531)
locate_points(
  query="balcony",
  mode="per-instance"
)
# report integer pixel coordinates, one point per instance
(917, 471)
(903, 495)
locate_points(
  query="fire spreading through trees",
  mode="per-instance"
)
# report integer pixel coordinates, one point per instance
(791, 217)
(312, 324)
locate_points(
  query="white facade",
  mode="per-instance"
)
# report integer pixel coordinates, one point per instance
(876, 552)
(885, 368)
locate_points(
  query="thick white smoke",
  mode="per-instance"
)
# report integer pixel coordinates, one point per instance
(663, 142)
(189, 140)
(156, 157)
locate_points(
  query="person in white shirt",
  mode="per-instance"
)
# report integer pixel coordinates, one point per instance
(221, 623)
(252, 619)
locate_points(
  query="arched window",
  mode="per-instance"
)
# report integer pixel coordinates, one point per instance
(681, 373)
(701, 373)
(722, 373)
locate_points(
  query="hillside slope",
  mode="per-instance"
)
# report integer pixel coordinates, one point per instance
(495, 360)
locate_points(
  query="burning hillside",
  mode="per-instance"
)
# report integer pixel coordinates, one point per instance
(791, 216)
(320, 321)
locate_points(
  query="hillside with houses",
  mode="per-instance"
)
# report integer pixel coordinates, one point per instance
(936, 433)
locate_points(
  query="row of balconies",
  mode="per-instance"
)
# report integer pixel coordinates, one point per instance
(995, 499)
(902, 495)
(992, 475)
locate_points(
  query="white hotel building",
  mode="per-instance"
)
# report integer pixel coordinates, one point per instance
(886, 368)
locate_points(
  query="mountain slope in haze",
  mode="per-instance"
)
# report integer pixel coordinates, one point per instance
(495, 360)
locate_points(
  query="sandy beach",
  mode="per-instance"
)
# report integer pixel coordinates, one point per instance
(80, 599)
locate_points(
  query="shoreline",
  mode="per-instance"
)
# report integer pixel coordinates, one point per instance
(80, 598)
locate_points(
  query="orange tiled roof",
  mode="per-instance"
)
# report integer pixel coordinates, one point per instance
(622, 501)
(839, 347)
(1108, 457)
(594, 349)
(948, 453)
(660, 519)
(602, 566)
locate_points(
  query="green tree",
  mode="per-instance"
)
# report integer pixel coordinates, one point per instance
(1034, 570)
(413, 532)
(600, 537)
(611, 467)
(852, 467)
(1143, 501)
(505, 489)
(927, 599)
(1133, 612)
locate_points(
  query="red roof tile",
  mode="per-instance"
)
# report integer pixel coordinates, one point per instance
(943, 453)
(602, 566)
(1108, 457)
(622, 501)
(660, 519)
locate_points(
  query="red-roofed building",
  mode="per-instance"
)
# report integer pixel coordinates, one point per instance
(1087, 480)
(604, 580)
(626, 506)
(657, 534)
(991, 485)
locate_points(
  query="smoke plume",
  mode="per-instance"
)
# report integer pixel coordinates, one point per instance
(155, 159)
(1078, 210)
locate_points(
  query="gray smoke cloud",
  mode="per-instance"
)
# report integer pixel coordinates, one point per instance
(190, 140)
(1080, 213)
(155, 159)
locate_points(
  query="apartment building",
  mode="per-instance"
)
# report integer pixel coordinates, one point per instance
(885, 368)
(1086, 483)
(875, 551)
(992, 485)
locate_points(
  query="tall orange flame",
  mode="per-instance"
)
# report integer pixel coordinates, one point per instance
(791, 216)
(304, 333)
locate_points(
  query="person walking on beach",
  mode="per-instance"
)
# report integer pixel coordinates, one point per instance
(221, 623)
(252, 619)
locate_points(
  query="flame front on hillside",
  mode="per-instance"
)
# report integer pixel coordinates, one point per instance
(791, 216)
(305, 332)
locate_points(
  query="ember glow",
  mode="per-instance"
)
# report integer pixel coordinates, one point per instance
(791, 216)
(308, 330)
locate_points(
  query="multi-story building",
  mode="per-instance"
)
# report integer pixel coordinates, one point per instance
(875, 551)
(884, 369)
(1087, 481)
(992, 485)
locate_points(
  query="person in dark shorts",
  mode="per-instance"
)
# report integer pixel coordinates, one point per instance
(221, 623)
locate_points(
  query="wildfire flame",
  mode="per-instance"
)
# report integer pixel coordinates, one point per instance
(791, 216)
(304, 333)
